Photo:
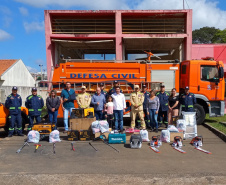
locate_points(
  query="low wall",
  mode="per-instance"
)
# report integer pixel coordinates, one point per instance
(24, 92)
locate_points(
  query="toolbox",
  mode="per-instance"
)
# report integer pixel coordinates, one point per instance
(116, 138)
(89, 112)
(84, 135)
(136, 141)
(43, 128)
(77, 113)
(73, 135)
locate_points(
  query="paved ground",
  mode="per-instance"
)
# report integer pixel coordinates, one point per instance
(129, 166)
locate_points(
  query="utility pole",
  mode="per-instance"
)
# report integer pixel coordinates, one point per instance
(40, 65)
(183, 4)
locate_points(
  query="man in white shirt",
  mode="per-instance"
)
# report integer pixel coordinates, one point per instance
(119, 103)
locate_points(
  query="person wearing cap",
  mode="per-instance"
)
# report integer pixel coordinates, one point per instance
(137, 99)
(67, 102)
(13, 103)
(84, 98)
(163, 109)
(146, 97)
(113, 89)
(103, 91)
(98, 100)
(34, 103)
(187, 100)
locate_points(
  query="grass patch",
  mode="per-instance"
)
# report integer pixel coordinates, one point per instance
(215, 122)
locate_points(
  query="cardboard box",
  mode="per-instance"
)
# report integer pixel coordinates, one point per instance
(84, 135)
(128, 135)
(73, 135)
(98, 134)
(174, 134)
(81, 123)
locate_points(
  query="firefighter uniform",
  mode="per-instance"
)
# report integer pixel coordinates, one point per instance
(34, 103)
(13, 103)
(187, 102)
(137, 98)
(84, 100)
(163, 109)
(146, 118)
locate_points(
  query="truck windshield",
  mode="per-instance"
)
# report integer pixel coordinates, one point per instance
(209, 73)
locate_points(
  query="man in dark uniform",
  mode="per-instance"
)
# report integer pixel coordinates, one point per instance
(187, 101)
(112, 90)
(103, 91)
(13, 103)
(163, 109)
(34, 103)
(146, 96)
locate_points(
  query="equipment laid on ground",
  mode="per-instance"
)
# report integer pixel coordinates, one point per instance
(72, 146)
(44, 129)
(197, 142)
(26, 143)
(93, 147)
(144, 135)
(155, 143)
(54, 136)
(177, 144)
(117, 138)
(36, 148)
(132, 130)
(73, 135)
(101, 137)
(136, 141)
(54, 147)
(84, 135)
(33, 136)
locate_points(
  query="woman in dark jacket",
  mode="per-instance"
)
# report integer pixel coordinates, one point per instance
(53, 104)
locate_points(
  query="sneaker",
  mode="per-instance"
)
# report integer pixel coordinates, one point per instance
(20, 134)
(115, 131)
(10, 135)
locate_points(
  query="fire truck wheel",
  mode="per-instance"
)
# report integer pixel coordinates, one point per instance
(200, 114)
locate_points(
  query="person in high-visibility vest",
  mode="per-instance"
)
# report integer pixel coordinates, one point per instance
(13, 103)
(187, 100)
(34, 103)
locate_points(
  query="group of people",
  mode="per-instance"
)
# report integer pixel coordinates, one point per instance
(152, 108)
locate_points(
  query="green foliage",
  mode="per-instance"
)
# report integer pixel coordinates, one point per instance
(39, 78)
(208, 35)
(204, 35)
(220, 36)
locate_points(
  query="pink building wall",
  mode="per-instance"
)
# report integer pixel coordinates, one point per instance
(118, 35)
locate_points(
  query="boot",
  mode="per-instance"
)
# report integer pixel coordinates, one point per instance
(20, 134)
(10, 135)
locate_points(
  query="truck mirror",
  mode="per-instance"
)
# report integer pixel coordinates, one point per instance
(221, 72)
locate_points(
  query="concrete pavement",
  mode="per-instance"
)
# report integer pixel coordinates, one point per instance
(129, 166)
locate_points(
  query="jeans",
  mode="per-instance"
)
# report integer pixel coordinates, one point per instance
(13, 119)
(110, 120)
(31, 120)
(153, 118)
(99, 114)
(66, 111)
(118, 116)
(53, 117)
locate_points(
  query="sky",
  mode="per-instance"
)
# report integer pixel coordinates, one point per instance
(22, 34)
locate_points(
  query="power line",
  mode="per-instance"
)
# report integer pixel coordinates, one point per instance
(187, 4)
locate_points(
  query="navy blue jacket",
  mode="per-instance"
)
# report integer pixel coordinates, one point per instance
(146, 96)
(163, 99)
(13, 103)
(187, 102)
(34, 105)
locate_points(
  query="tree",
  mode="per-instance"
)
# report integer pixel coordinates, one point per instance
(220, 36)
(204, 35)
(39, 78)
